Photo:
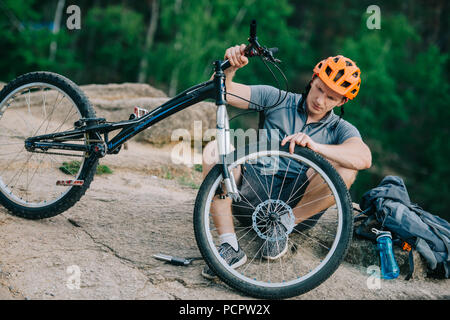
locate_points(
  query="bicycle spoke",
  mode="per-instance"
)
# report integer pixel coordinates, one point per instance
(238, 206)
(311, 238)
(67, 116)
(264, 186)
(243, 177)
(313, 201)
(20, 172)
(298, 189)
(25, 175)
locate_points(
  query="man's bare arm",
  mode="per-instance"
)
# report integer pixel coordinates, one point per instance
(237, 89)
(237, 60)
(353, 153)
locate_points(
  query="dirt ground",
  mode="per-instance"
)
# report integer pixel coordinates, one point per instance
(106, 241)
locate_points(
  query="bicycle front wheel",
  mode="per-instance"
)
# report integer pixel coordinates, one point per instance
(272, 185)
(36, 185)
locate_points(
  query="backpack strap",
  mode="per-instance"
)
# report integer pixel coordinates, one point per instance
(262, 118)
(411, 265)
(407, 247)
(360, 230)
(368, 218)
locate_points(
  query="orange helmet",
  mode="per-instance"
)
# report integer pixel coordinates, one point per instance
(340, 74)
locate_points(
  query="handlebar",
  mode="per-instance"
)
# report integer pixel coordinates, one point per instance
(255, 49)
(253, 29)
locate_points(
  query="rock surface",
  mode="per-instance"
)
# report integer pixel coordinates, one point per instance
(108, 239)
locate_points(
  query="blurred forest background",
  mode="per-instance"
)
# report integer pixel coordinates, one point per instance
(402, 110)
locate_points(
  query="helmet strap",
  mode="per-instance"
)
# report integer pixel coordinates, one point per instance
(340, 117)
(305, 94)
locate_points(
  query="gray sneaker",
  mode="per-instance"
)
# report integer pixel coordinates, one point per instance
(277, 243)
(234, 259)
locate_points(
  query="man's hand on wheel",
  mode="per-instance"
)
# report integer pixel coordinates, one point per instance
(300, 139)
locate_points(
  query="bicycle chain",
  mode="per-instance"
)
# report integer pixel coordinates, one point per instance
(61, 154)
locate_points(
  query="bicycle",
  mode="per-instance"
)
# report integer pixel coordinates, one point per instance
(46, 121)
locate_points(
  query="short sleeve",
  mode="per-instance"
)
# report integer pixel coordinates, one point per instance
(262, 96)
(344, 131)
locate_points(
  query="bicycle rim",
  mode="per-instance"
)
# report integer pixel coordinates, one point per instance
(30, 179)
(313, 253)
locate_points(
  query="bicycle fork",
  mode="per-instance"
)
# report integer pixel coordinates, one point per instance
(223, 132)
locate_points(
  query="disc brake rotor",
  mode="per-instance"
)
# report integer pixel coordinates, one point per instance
(269, 214)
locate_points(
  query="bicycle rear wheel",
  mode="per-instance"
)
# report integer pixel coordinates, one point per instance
(35, 185)
(314, 251)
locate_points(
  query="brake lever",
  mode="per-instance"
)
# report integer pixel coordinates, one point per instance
(250, 51)
(268, 54)
(273, 59)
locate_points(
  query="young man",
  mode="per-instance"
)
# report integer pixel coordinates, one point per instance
(309, 122)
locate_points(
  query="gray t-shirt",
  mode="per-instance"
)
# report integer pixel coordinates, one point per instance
(289, 118)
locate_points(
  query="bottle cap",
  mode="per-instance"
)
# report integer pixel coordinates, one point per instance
(380, 234)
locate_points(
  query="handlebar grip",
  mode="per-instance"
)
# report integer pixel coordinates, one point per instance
(225, 64)
(253, 29)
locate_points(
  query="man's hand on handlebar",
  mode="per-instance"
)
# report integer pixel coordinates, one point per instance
(237, 57)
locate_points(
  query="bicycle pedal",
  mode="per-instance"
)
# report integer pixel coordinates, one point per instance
(140, 112)
(65, 183)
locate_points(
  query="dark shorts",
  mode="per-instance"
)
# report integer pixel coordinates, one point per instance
(256, 188)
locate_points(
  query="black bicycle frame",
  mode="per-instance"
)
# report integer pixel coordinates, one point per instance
(212, 89)
(182, 101)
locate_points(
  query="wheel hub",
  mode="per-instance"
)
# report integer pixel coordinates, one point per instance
(269, 214)
(273, 216)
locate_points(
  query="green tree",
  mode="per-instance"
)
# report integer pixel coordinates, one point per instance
(400, 108)
(109, 45)
(26, 38)
(192, 34)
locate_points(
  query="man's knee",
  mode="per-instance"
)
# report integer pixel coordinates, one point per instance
(348, 175)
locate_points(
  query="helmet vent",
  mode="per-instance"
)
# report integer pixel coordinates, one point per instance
(339, 75)
(345, 84)
(348, 63)
(336, 59)
(320, 65)
(328, 71)
(355, 74)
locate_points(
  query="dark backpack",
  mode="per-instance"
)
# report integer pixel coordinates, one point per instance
(390, 205)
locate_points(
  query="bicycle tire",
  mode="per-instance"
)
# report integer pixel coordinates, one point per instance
(247, 286)
(54, 83)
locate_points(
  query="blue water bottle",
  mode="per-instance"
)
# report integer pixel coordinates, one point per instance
(389, 267)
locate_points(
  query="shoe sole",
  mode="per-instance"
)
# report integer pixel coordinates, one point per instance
(282, 253)
(239, 263)
(234, 266)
